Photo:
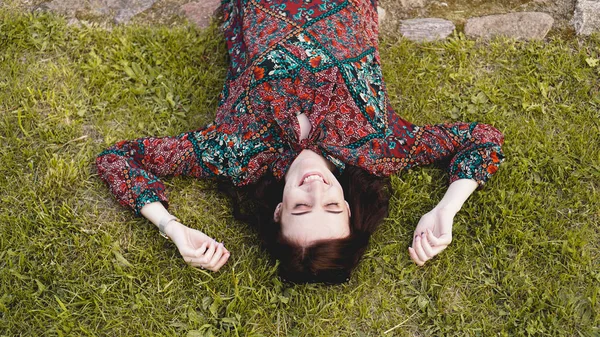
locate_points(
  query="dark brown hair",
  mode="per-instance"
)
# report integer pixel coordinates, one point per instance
(329, 261)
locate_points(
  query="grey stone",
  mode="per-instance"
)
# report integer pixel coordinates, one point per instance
(131, 9)
(380, 14)
(201, 12)
(121, 11)
(429, 29)
(74, 22)
(522, 25)
(586, 18)
(413, 3)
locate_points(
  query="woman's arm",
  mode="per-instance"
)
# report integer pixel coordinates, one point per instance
(131, 169)
(472, 150)
(434, 230)
(196, 248)
(473, 153)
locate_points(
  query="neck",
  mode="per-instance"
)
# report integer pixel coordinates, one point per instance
(305, 126)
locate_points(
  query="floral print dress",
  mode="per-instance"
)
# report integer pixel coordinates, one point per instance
(314, 57)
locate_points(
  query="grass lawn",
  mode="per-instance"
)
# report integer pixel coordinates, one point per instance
(525, 260)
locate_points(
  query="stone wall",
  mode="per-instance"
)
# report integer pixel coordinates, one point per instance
(419, 20)
(521, 19)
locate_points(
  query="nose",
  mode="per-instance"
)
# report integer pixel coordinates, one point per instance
(316, 185)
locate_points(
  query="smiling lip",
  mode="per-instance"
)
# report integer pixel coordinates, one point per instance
(312, 174)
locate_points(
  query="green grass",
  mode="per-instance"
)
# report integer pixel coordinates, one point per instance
(525, 259)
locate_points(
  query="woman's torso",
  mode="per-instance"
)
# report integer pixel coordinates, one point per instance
(317, 59)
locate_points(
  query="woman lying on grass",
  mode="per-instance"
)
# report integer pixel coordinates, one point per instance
(305, 127)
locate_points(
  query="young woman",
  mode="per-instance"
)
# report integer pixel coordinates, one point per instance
(305, 124)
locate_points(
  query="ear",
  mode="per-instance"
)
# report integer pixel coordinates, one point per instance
(348, 206)
(277, 213)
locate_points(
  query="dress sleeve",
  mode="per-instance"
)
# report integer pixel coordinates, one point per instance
(131, 168)
(472, 150)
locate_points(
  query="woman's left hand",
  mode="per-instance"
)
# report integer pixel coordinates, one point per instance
(197, 248)
(432, 235)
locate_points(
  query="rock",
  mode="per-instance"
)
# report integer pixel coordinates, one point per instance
(429, 29)
(74, 22)
(586, 18)
(131, 9)
(380, 14)
(121, 11)
(523, 25)
(201, 12)
(413, 3)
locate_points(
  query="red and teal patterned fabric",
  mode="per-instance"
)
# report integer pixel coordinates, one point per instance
(314, 57)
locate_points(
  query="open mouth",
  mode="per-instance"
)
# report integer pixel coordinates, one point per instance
(310, 177)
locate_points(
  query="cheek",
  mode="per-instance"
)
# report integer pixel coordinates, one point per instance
(287, 197)
(340, 192)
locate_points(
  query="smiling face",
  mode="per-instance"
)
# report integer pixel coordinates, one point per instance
(313, 206)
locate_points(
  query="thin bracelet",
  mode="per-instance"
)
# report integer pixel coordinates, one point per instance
(163, 223)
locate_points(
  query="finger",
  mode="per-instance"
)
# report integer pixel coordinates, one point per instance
(427, 247)
(200, 251)
(443, 239)
(222, 261)
(212, 245)
(186, 249)
(192, 260)
(436, 249)
(414, 257)
(187, 252)
(202, 255)
(416, 234)
(216, 256)
(200, 262)
(419, 250)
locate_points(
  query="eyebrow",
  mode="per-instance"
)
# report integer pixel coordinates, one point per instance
(332, 212)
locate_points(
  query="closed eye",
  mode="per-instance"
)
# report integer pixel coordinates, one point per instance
(330, 208)
(303, 208)
(334, 208)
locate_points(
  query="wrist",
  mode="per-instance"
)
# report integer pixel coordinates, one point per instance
(447, 209)
(172, 227)
(448, 212)
(456, 195)
(165, 223)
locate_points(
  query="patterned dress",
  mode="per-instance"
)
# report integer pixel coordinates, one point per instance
(314, 57)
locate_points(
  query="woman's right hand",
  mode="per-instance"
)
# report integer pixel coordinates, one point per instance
(197, 248)
(432, 235)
